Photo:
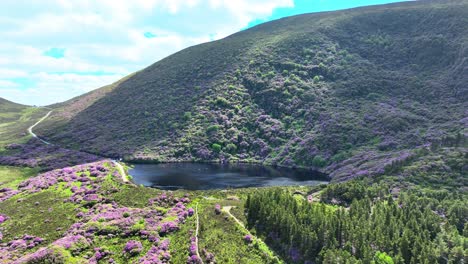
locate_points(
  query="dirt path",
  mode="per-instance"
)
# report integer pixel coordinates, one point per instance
(117, 164)
(227, 209)
(196, 232)
(121, 171)
(264, 247)
(31, 128)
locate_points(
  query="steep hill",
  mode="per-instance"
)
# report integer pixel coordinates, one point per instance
(348, 92)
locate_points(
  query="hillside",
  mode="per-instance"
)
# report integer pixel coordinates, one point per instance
(348, 92)
(15, 120)
(9, 110)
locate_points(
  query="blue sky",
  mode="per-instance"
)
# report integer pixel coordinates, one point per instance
(53, 50)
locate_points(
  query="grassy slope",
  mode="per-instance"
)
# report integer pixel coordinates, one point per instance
(15, 120)
(48, 214)
(10, 176)
(311, 90)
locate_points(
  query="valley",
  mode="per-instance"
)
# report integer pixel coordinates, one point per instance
(335, 137)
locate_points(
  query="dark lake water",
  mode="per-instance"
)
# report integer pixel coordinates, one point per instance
(204, 176)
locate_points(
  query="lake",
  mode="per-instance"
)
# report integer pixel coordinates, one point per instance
(205, 176)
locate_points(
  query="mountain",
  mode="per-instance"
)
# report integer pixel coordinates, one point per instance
(350, 92)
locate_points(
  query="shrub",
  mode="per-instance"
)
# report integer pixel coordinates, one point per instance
(221, 102)
(270, 74)
(212, 128)
(3, 218)
(231, 148)
(340, 156)
(187, 115)
(190, 211)
(318, 161)
(217, 209)
(382, 258)
(133, 247)
(216, 147)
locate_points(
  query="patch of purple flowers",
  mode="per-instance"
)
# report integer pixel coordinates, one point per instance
(100, 217)
(194, 259)
(217, 209)
(157, 254)
(6, 193)
(168, 227)
(37, 154)
(133, 247)
(3, 218)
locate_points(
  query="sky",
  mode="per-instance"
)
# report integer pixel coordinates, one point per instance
(54, 50)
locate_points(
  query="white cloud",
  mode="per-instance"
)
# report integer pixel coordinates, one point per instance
(105, 36)
(8, 84)
(52, 88)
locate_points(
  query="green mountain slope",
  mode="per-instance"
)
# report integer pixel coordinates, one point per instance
(9, 110)
(15, 120)
(348, 92)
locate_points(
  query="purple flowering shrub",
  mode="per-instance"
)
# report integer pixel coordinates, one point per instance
(294, 254)
(194, 259)
(217, 209)
(43, 255)
(48, 157)
(209, 257)
(6, 193)
(193, 247)
(12, 249)
(74, 243)
(89, 175)
(99, 253)
(99, 216)
(190, 211)
(133, 247)
(370, 163)
(168, 227)
(3, 218)
(158, 253)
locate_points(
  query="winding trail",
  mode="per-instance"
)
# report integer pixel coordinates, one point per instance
(227, 209)
(264, 247)
(121, 171)
(120, 168)
(37, 123)
(196, 232)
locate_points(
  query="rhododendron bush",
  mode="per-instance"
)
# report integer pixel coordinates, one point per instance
(143, 231)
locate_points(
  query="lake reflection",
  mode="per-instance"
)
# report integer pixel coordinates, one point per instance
(204, 176)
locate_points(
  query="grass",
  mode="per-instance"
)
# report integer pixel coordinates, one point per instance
(116, 246)
(238, 211)
(14, 124)
(11, 176)
(48, 219)
(221, 235)
(180, 241)
(131, 195)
